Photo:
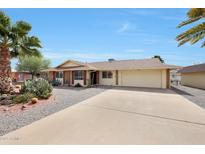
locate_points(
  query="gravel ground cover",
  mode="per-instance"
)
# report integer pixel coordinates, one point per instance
(63, 98)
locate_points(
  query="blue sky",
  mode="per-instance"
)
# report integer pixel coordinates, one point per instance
(98, 34)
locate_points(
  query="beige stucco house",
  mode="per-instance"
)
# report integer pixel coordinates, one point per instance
(134, 73)
(193, 76)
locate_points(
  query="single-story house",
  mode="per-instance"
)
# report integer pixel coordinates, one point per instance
(135, 73)
(20, 76)
(193, 76)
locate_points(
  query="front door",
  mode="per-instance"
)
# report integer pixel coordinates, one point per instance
(66, 77)
(93, 77)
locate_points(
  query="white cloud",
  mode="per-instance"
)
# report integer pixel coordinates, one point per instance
(124, 27)
(53, 55)
(90, 56)
(127, 27)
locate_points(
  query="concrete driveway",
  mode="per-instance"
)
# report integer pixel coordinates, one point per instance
(119, 116)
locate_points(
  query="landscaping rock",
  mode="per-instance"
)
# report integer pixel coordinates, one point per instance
(23, 107)
(2, 97)
(6, 109)
(15, 91)
(6, 97)
(34, 100)
(6, 102)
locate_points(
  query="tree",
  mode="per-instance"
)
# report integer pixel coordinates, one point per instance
(157, 56)
(197, 32)
(32, 64)
(15, 41)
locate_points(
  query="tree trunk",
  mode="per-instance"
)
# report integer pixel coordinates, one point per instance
(5, 64)
(5, 70)
(32, 76)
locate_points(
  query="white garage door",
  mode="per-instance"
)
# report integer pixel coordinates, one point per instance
(142, 78)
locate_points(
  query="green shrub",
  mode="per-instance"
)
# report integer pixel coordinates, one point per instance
(78, 85)
(56, 83)
(23, 98)
(39, 87)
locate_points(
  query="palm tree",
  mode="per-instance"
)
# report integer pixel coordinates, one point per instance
(15, 42)
(197, 32)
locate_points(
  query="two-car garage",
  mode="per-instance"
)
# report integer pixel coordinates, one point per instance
(144, 78)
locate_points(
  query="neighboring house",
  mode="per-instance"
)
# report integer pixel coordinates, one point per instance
(20, 76)
(135, 73)
(193, 76)
(175, 77)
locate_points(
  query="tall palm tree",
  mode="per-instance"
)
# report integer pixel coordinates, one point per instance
(15, 42)
(197, 32)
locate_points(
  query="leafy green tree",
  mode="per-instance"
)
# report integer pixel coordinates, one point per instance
(197, 32)
(157, 56)
(15, 41)
(32, 64)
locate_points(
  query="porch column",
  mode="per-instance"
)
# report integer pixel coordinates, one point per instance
(84, 74)
(168, 78)
(116, 72)
(54, 75)
(97, 77)
(73, 77)
(64, 77)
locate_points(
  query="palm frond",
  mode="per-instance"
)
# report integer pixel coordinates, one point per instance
(4, 19)
(191, 20)
(197, 37)
(203, 44)
(33, 42)
(197, 29)
(28, 51)
(196, 12)
(21, 28)
(181, 42)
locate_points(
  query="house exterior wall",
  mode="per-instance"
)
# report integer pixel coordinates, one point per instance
(81, 82)
(21, 76)
(196, 80)
(107, 81)
(136, 78)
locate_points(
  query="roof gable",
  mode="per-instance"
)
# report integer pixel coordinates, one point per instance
(70, 63)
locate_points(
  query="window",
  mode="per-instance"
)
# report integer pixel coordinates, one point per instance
(78, 75)
(106, 74)
(59, 74)
(21, 77)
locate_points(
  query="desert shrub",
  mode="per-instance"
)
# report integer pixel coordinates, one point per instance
(23, 98)
(5, 85)
(39, 87)
(56, 83)
(78, 85)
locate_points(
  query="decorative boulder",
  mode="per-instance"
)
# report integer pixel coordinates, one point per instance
(6, 102)
(34, 100)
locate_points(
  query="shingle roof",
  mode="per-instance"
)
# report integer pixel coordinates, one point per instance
(193, 68)
(152, 63)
